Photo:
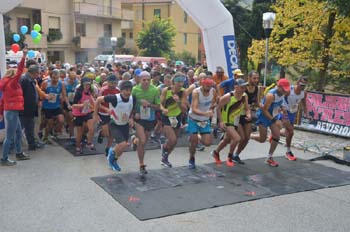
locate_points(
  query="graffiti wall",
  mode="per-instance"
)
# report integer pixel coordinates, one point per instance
(328, 113)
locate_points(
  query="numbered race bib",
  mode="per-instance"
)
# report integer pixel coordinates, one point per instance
(145, 113)
(275, 112)
(71, 97)
(236, 120)
(53, 97)
(173, 121)
(202, 124)
(293, 109)
(123, 117)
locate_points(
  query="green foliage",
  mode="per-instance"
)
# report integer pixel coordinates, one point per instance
(120, 43)
(157, 38)
(184, 56)
(54, 34)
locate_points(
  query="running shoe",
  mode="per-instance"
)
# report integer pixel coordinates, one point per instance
(112, 162)
(271, 162)
(106, 151)
(200, 147)
(78, 151)
(133, 143)
(229, 162)
(237, 160)
(192, 163)
(100, 137)
(216, 156)
(165, 162)
(143, 170)
(290, 156)
(91, 146)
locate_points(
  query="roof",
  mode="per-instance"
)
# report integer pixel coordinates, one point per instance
(146, 1)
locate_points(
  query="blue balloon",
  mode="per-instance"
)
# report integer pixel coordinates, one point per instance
(31, 54)
(16, 37)
(34, 34)
(24, 29)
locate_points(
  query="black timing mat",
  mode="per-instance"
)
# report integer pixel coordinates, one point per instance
(171, 191)
(100, 148)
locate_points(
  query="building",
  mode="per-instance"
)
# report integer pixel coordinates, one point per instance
(72, 30)
(188, 36)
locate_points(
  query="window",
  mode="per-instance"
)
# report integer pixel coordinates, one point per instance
(54, 22)
(107, 30)
(185, 17)
(156, 12)
(124, 35)
(185, 38)
(22, 22)
(131, 35)
(80, 29)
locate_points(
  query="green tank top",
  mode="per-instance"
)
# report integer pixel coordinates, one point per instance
(170, 104)
(231, 112)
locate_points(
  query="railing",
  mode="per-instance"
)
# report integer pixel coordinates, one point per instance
(127, 25)
(97, 10)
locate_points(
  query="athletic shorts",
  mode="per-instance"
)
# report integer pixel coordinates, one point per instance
(158, 115)
(65, 106)
(79, 120)
(195, 126)
(147, 125)
(119, 132)
(243, 121)
(105, 119)
(262, 120)
(51, 113)
(290, 117)
(166, 121)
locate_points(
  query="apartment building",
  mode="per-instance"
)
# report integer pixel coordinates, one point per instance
(188, 37)
(72, 30)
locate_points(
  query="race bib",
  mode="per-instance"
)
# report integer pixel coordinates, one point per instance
(123, 117)
(173, 121)
(275, 112)
(71, 97)
(202, 124)
(53, 97)
(294, 108)
(145, 113)
(236, 120)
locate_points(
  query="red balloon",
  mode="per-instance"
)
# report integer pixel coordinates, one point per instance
(15, 48)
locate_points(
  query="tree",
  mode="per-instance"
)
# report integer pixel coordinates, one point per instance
(310, 35)
(157, 38)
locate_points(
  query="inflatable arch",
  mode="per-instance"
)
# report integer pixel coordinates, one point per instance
(216, 24)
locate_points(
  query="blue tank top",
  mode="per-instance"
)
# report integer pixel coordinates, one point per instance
(276, 104)
(55, 92)
(70, 89)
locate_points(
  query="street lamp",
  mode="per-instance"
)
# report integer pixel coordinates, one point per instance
(268, 20)
(114, 46)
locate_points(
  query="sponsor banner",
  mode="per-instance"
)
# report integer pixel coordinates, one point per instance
(327, 113)
(231, 54)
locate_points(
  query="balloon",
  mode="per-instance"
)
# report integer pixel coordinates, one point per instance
(16, 37)
(31, 54)
(24, 29)
(37, 27)
(37, 39)
(34, 34)
(15, 47)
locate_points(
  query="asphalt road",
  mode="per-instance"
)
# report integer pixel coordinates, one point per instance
(53, 192)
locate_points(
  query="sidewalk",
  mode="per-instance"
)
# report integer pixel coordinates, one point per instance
(53, 192)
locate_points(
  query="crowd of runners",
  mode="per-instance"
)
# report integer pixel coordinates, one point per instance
(153, 102)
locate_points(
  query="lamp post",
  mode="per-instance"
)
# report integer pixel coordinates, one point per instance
(268, 20)
(114, 46)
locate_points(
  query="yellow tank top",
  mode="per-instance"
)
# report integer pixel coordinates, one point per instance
(231, 112)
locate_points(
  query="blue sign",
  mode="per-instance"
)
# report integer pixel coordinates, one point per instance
(231, 54)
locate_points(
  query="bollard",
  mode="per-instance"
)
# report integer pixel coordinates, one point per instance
(346, 153)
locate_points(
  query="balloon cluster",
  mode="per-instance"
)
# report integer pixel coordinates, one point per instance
(36, 37)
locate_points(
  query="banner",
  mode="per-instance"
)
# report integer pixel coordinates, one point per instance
(327, 113)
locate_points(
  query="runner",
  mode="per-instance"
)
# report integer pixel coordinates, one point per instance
(120, 111)
(103, 113)
(83, 105)
(52, 106)
(290, 105)
(147, 102)
(229, 110)
(203, 103)
(173, 102)
(70, 83)
(267, 117)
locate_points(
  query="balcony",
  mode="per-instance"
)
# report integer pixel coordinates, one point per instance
(97, 10)
(127, 15)
(31, 45)
(127, 25)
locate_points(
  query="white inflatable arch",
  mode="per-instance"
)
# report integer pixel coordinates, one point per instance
(216, 24)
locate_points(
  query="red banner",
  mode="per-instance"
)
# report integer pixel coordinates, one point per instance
(328, 113)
